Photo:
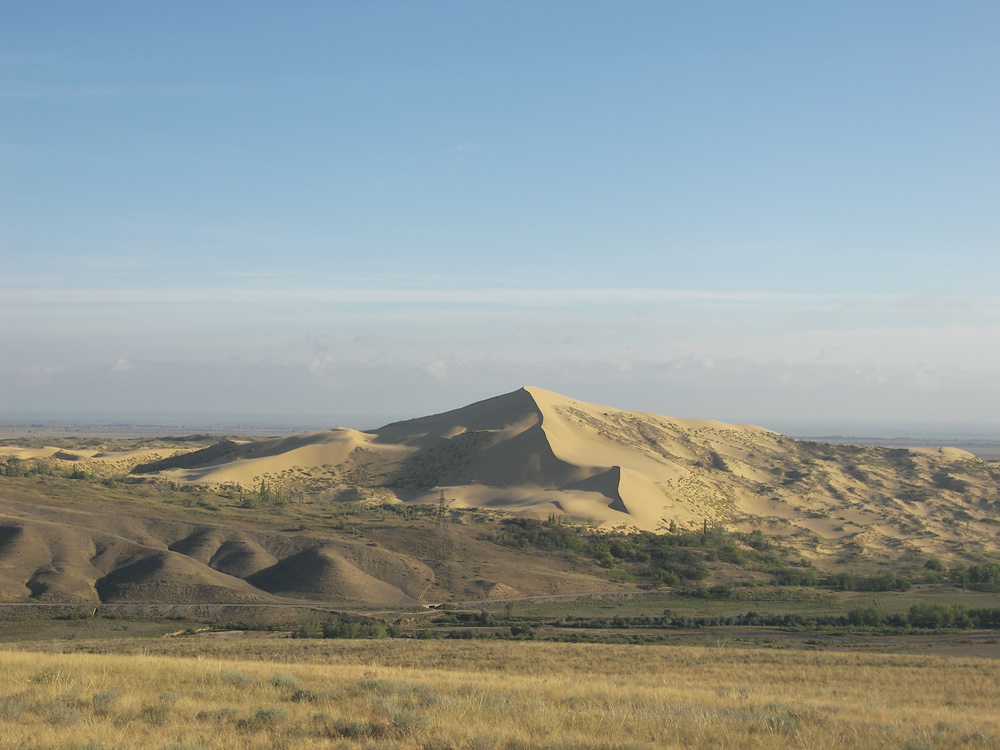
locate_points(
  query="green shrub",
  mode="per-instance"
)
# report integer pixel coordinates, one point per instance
(104, 701)
(155, 714)
(283, 680)
(866, 616)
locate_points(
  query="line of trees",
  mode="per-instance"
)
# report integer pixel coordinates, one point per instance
(335, 627)
(982, 577)
(922, 616)
(263, 494)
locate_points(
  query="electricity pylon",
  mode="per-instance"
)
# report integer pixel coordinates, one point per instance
(441, 516)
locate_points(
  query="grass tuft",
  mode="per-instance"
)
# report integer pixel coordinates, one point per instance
(104, 701)
(155, 714)
(232, 677)
(264, 718)
(284, 680)
(49, 676)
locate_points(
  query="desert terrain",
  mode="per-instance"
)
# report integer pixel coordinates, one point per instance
(354, 516)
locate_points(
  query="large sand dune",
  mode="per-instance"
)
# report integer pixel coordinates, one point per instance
(529, 448)
(536, 451)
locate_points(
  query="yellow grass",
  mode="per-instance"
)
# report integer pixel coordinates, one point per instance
(414, 694)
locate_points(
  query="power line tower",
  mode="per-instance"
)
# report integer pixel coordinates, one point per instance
(441, 515)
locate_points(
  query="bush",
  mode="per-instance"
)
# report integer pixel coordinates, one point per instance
(795, 577)
(946, 481)
(79, 473)
(522, 630)
(886, 581)
(104, 701)
(866, 616)
(282, 680)
(334, 627)
(155, 713)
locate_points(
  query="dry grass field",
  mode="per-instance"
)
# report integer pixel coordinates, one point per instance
(448, 694)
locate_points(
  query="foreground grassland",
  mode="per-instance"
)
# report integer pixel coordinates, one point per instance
(447, 694)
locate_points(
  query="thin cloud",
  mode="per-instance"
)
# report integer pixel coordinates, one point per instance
(35, 371)
(318, 366)
(437, 370)
(512, 297)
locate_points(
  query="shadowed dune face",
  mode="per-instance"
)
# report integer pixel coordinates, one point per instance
(511, 412)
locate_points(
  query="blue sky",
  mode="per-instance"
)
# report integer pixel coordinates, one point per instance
(744, 211)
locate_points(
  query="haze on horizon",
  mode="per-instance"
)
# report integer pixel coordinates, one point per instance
(731, 211)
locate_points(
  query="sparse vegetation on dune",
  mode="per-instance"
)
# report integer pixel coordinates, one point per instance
(433, 694)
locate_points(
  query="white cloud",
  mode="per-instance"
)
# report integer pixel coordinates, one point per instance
(437, 370)
(621, 364)
(458, 293)
(319, 365)
(440, 344)
(37, 371)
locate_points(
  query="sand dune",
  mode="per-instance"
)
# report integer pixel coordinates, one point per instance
(536, 451)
